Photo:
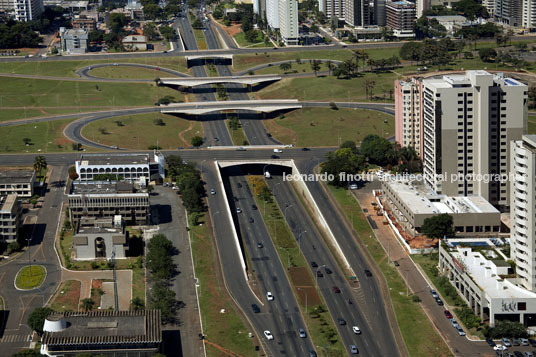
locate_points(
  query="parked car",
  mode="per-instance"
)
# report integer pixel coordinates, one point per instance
(269, 296)
(515, 342)
(506, 342)
(212, 191)
(499, 348)
(439, 301)
(302, 333)
(524, 341)
(532, 342)
(255, 308)
(490, 342)
(434, 294)
(268, 335)
(447, 313)
(461, 332)
(528, 354)
(518, 354)
(454, 323)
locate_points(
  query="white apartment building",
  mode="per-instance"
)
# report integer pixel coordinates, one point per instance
(468, 122)
(272, 13)
(408, 114)
(10, 218)
(490, 6)
(529, 14)
(421, 6)
(27, 10)
(523, 210)
(288, 22)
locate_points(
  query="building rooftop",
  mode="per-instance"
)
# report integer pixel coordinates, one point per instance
(485, 273)
(449, 18)
(7, 202)
(422, 200)
(102, 187)
(16, 176)
(107, 327)
(135, 38)
(115, 159)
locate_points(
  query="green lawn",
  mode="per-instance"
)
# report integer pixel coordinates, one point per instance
(228, 329)
(22, 92)
(290, 255)
(139, 131)
(532, 124)
(330, 88)
(200, 39)
(303, 67)
(237, 136)
(68, 68)
(242, 42)
(126, 72)
(25, 113)
(308, 127)
(44, 136)
(30, 277)
(419, 335)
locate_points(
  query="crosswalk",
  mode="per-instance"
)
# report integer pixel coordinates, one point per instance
(14, 338)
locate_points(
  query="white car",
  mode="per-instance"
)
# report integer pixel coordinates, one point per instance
(499, 348)
(356, 330)
(212, 191)
(268, 335)
(269, 296)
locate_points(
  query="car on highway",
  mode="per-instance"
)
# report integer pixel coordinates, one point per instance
(356, 330)
(305, 149)
(434, 294)
(216, 139)
(341, 321)
(255, 308)
(328, 270)
(319, 274)
(439, 301)
(396, 263)
(259, 245)
(240, 148)
(269, 296)
(268, 335)
(212, 191)
(524, 341)
(368, 273)
(274, 157)
(353, 350)
(238, 210)
(314, 264)
(251, 220)
(336, 290)
(447, 313)
(490, 342)
(312, 354)
(302, 333)
(499, 348)
(506, 342)
(253, 207)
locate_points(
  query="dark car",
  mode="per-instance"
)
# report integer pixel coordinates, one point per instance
(341, 321)
(251, 220)
(253, 207)
(368, 273)
(515, 342)
(447, 313)
(274, 157)
(312, 354)
(396, 263)
(255, 308)
(439, 301)
(490, 342)
(235, 198)
(269, 135)
(518, 354)
(336, 290)
(259, 245)
(532, 342)
(314, 265)
(239, 185)
(319, 274)
(305, 149)
(328, 270)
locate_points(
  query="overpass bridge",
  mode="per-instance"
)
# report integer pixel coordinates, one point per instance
(198, 81)
(216, 58)
(264, 106)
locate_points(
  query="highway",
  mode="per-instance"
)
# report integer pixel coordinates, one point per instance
(315, 249)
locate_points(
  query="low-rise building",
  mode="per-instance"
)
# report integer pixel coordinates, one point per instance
(10, 218)
(97, 238)
(83, 22)
(103, 332)
(483, 280)
(411, 202)
(452, 23)
(135, 43)
(19, 182)
(127, 167)
(74, 41)
(107, 199)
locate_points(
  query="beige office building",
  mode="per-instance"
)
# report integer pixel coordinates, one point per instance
(523, 209)
(468, 122)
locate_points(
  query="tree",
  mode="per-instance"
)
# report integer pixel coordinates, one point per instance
(315, 65)
(159, 262)
(197, 24)
(342, 161)
(167, 32)
(159, 122)
(149, 30)
(117, 22)
(27, 353)
(40, 164)
(487, 54)
(378, 150)
(285, 66)
(508, 329)
(369, 87)
(137, 304)
(36, 319)
(162, 298)
(76, 146)
(330, 66)
(14, 34)
(197, 141)
(87, 304)
(438, 226)
(152, 11)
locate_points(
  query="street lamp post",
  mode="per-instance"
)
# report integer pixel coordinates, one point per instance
(29, 258)
(287, 206)
(299, 238)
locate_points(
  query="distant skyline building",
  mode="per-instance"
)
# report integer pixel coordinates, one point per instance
(356, 12)
(529, 14)
(288, 22)
(408, 114)
(509, 12)
(523, 209)
(400, 17)
(25, 10)
(421, 6)
(332, 8)
(468, 121)
(379, 12)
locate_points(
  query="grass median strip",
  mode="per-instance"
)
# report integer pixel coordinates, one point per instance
(222, 324)
(200, 39)
(317, 317)
(237, 132)
(419, 335)
(30, 277)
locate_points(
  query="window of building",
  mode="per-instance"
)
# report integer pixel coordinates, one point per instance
(522, 306)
